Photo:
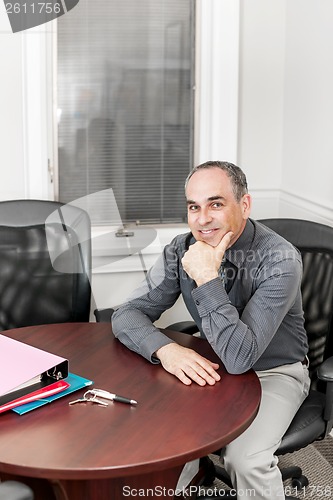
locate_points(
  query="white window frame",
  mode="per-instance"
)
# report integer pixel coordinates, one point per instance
(37, 101)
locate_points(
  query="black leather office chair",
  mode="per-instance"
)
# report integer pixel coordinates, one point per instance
(45, 263)
(314, 419)
(13, 490)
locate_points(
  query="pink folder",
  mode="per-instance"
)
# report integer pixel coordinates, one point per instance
(21, 363)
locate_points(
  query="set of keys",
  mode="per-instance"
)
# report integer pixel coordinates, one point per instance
(93, 395)
(89, 397)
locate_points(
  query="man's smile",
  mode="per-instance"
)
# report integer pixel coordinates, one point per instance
(207, 231)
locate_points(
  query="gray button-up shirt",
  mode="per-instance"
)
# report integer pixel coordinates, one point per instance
(254, 321)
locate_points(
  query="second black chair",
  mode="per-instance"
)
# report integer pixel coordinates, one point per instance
(45, 263)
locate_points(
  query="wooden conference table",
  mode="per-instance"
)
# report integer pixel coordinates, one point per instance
(90, 452)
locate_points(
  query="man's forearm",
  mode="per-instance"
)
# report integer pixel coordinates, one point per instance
(136, 331)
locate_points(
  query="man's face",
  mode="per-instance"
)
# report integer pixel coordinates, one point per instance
(212, 209)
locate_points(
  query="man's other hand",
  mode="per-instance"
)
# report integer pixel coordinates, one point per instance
(188, 365)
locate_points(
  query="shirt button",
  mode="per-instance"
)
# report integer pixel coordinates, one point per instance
(197, 302)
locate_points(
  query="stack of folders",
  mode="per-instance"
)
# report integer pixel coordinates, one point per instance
(31, 377)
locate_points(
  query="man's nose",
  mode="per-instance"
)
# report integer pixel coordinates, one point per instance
(204, 217)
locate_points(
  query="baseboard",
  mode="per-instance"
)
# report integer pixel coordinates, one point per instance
(282, 203)
(293, 205)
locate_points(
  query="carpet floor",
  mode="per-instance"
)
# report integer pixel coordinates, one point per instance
(316, 462)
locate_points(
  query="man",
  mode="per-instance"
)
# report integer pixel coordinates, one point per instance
(241, 283)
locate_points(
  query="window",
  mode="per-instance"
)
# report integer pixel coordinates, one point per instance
(125, 105)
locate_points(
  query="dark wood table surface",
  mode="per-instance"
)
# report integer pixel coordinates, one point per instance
(90, 452)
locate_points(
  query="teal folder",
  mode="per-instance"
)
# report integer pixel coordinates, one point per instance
(75, 381)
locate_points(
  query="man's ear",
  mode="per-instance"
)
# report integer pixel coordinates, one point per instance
(246, 203)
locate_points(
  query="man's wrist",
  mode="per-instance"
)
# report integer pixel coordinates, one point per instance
(157, 354)
(203, 279)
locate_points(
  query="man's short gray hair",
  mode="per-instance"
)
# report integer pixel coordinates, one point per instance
(236, 174)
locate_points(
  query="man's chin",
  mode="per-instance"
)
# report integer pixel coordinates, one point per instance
(212, 240)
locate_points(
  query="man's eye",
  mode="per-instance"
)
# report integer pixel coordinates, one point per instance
(193, 208)
(217, 205)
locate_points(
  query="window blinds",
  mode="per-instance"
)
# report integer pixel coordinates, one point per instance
(125, 105)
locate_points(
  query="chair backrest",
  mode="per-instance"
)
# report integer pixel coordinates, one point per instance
(315, 242)
(45, 263)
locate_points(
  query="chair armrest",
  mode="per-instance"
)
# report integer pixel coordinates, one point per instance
(325, 370)
(325, 373)
(188, 327)
(103, 315)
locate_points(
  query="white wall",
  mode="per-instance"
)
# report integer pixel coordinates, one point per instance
(307, 174)
(11, 115)
(261, 95)
(286, 107)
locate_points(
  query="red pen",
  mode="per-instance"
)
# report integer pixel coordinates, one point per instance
(42, 393)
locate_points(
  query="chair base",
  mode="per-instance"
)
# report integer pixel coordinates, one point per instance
(214, 471)
(298, 480)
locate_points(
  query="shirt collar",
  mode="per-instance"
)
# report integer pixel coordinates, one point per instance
(238, 252)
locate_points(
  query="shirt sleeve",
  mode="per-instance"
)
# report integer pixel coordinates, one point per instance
(133, 322)
(239, 341)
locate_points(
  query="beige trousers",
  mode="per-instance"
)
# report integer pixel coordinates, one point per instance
(250, 459)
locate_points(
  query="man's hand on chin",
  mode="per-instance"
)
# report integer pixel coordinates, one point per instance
(202, 261)
(187, 365)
